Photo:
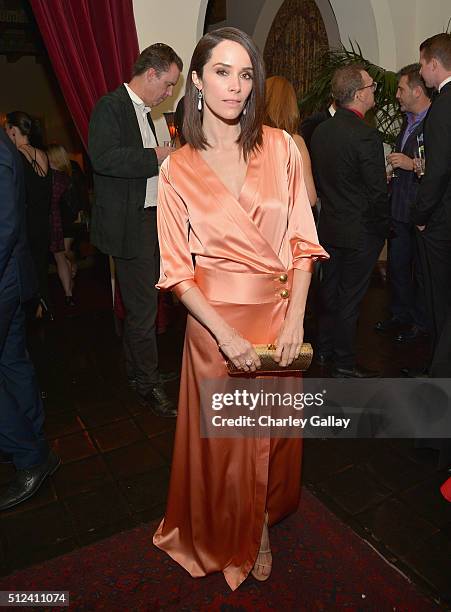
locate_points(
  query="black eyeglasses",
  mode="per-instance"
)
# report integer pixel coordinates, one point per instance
(373, 86)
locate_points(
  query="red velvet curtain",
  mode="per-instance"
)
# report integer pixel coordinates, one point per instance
(92, 45)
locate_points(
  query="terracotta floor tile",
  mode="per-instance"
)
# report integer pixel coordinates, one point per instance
(153, 425)
(95, 413)
(96, 509)
(146, 490)
(137, 458)
(395, 471)
(397, 526)
(164, 443)
(427, 500)
(354, 490)
(80, 476)
(115, 435)
(320, 460)
(62, 423)
(74, 447)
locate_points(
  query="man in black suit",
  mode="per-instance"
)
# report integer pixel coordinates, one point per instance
(406, 282)
(125, 157)
(21, 412)
(349, 163)
(432, 210)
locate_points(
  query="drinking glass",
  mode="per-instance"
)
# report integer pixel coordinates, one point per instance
(391, 172)
(419, 160)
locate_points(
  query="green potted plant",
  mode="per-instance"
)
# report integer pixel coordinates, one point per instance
(387, 117)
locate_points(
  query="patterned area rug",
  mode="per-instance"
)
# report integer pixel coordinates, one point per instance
(319, 564)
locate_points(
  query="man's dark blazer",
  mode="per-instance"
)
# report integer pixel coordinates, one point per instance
(433, 205)
(14, 251)
(349, 166)
(404, 188)
(309, 125)
(121, 168)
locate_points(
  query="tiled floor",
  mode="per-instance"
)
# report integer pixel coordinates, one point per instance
(116, 455)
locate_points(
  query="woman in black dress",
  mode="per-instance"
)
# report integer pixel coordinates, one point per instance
(66, 206)
(24, 133)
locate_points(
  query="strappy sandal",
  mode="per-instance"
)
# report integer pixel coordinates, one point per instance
(255, 574)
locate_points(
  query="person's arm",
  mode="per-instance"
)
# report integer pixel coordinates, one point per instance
(291, 334)
(231, 343)
(108, 156)
(177, 274)
(9, 215)
(437, 176)
(307, 165)
(305, 251)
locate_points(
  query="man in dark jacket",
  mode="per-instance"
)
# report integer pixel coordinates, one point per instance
(407, 305)
(349, 166)
(125, 156)
(432, 210)
(21, 411)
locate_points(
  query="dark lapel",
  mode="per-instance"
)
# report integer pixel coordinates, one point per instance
(152, 127)
(131, 116)
(135, 133)
(446, 90)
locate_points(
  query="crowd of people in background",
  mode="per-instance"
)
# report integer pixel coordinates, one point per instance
(56, 195)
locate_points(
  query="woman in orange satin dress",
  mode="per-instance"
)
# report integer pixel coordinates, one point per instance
(233, 198)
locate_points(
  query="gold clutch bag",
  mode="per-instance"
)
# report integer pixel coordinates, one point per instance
(269, 366)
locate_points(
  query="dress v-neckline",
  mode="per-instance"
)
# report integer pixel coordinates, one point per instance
(224, 186)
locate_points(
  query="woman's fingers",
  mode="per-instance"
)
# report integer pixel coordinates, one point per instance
(289, 352)
(247, 361)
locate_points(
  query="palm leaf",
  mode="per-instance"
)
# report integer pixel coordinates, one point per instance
(388, 116)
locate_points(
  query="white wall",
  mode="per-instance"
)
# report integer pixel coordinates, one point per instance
(432, 18)
(390, 31)
(178, 23)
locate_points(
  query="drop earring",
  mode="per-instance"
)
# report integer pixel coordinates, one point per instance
(199, 100)
(245, 110)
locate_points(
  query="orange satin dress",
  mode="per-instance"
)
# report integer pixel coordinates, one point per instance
(220, 487)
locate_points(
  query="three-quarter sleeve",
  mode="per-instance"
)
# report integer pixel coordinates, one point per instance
(302, 235)
(176, 264)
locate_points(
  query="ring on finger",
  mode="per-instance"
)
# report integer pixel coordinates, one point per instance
(248, 362)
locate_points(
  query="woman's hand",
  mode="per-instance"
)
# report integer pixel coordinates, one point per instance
(239, 350)
(288, 343)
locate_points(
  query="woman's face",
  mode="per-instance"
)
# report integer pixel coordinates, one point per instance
(226, 81)
(11, 132)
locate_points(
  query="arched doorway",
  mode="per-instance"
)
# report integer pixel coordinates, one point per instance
(295, 41)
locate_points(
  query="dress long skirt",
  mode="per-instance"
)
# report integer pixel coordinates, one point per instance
(221, 487)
